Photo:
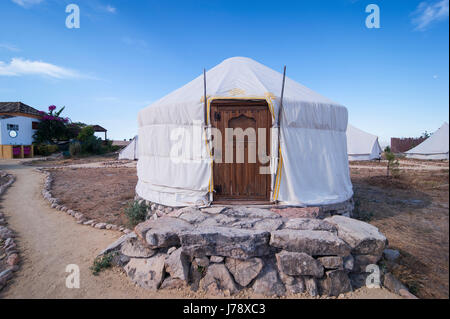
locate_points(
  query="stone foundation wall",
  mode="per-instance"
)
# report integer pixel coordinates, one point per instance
(223, 250)
(345, 209)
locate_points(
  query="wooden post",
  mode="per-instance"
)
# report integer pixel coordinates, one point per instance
(280, 109)
(204, 97)
(21, 152)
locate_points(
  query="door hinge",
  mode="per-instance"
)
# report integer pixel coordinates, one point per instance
(216, 116)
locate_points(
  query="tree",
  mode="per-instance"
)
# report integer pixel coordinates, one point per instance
(52, 126)
(425, 135)
(392, 165)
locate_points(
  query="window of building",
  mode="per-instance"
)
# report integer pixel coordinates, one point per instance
(12, 127)
(34, 125)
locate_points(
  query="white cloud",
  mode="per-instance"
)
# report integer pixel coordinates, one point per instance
(428, 13)
(9, 47)
(110, 9)
(19, 67)
(27, 3)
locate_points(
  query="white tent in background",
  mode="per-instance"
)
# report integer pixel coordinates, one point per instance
(130, 152)
(433, 148)
(362, 146)
(313, 166)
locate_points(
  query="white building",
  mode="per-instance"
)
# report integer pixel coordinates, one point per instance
(18, 123)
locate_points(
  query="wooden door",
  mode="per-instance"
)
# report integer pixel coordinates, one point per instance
(237, 176)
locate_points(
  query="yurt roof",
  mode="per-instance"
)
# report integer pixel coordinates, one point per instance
(435, 144)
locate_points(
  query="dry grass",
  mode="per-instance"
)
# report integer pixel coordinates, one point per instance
(98, 193)
(413, 212)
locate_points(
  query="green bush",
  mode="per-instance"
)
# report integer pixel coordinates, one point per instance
(136, 212)
(102, 262)
(85, 133)
(90, 144)
(46, 149)
(75, 149)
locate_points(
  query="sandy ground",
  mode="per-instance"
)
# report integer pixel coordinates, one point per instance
(49, 241)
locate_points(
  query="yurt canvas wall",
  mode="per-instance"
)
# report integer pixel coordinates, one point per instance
(130, 152)
(362, 146)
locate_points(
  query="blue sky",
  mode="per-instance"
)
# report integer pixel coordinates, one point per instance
(126, 54)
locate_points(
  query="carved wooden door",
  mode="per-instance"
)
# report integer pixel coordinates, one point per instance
(241, 164)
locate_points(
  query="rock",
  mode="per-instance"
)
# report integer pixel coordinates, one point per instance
(294, 285)
(250, 212)
(120, 260)
(80, 216)
(213, 210)
(196, 273)
(134, 248)
(5, 233)
(309, 224)
(391, 254)
(268, 224)
(332, 262)
(192, 215)
(311, 286)
(218, 220)
(335, 283)
(171, 250)
(162, 232)
(13, 259)
(6, 274)
(362, 237)
(349, 263)
(173, 283)
(117, 244)
(89, 222)
(177, 265)
(313, 243)
(244, 271)
(202, 261)
(218, 281)
(362, 261)
(245, 223)
(394, 285)
(358, 280)
(148, 273)
(268, 282)
(222, 241)
(298, 264)
(216, 259)
(100, 225)
(298, 212)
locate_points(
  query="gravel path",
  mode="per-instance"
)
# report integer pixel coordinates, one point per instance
(50, 240)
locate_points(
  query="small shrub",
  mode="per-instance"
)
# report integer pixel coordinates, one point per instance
(102, 262)
(46, 149)
(393, 165)
(75, 149)
(136, 212)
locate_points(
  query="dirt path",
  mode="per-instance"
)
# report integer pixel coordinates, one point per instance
(50, 240)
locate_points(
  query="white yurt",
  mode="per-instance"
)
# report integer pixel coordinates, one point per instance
(362, 146)
(307, 164)
(130, 152)
(433, 148)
